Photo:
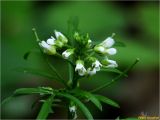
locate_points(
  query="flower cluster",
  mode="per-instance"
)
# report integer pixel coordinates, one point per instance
(87, 57)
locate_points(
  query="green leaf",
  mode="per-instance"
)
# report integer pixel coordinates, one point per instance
(27, 91)
(37, 72)
(112, 70)
(79, 103)
(90, 97)
(46, 108)
(107, 101)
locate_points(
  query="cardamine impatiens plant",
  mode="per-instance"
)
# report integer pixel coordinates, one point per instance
(85, 58)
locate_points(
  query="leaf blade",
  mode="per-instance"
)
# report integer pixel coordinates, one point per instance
(89, 96)
(27, 91)
(107, 101)
(79, 103)
(46, 108)
(112, 70)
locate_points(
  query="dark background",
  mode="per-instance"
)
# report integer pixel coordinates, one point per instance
(135, 23)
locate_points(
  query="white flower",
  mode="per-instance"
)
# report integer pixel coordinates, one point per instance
(105, 47)
(51, 41)
(67, 53)
(72, 108)
(111, 64)
(80, 68)
(91, 71)
(97, 65)
(111, 51)
(44, 45)
(61, 37)
(109, 42)
(49, 49)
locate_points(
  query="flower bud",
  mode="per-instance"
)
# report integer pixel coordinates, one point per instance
(111, 51)
(107, 43)
(77, 36)
(59, 44)
(49, 49)
(99, 49)
(51, 41)
(80, 67)
(67, 53)
(61, 37)
(109, 63)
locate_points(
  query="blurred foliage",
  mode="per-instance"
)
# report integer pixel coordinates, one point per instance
(136, 24)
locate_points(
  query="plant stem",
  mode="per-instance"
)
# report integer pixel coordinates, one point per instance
(35, 33)
(116, 78)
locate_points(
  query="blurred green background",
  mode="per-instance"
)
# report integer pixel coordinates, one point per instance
(135, 23)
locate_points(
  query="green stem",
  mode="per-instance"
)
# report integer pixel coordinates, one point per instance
(35, 33)
(116, 78)
(49, 64)
(58, 75)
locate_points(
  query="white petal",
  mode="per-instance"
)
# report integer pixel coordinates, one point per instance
(51, 41)
(78, 66)
(65, 54)
(91, 72)
(112, 64)
(97, 68)
(111, 51)
(57, 34)
(44, 45)
(72, 109)
(97, 63)
(82, 71)
(108, 42)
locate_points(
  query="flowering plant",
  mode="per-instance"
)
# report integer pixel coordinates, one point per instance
(85, 59)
